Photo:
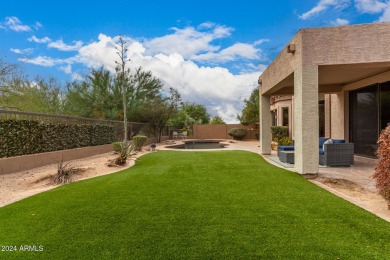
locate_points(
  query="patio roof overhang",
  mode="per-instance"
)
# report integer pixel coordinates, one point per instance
(332, 78)
(320, 60)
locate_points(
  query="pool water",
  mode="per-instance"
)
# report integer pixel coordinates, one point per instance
(200, 145)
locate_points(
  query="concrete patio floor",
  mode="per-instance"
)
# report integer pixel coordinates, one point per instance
(360, 174)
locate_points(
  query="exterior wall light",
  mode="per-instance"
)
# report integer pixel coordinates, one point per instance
(291, 48)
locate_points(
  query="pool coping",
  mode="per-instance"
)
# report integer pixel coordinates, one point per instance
(173, 144)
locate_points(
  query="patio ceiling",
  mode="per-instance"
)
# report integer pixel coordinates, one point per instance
(333, 77)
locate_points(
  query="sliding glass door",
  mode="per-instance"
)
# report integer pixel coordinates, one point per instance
(384, 89)
(369, 114)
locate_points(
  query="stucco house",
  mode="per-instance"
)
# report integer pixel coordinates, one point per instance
(332, 82)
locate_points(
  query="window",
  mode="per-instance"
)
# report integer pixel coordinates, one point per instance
(321, 116)
(274, 118)
(285, 116)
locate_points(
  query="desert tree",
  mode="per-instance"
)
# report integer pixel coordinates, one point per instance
(217, 120)
(93, 97)
(250, 113)
(38, 95)
(190, 114)
(158, 112)
(7, 71)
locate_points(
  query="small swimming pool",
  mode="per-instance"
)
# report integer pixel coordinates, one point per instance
(199, 144)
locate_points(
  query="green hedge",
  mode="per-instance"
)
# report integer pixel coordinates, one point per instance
(279, 132)
(139, 141)
(237, 133)
(20, 137)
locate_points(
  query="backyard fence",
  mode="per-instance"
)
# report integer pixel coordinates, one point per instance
(221, 131)
(28, 133)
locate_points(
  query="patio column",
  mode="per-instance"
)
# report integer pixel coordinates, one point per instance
(337, 116)
(306, 120)
(265, 124)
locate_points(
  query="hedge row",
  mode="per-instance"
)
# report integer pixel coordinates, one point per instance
(20, 137)
(279, 132)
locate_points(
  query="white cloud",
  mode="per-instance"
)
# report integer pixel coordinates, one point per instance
(14, 24)
(339, 22)
(42, 61)
(210, 86)
(231, 53)
(370, 6)
(261, 41)
(188, 41)
(66, 69)
(323, 5)
(60, 45)
(99, 53)
(206, 25)
(37, 25)
(37, 40)
(172, 58)
(20, 51)
(386, 14)
(215, 87)
(76, 76)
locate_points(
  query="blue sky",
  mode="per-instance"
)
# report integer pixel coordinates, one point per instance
(211, 51)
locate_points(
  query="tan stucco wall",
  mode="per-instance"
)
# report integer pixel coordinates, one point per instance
(337, 114)
(221, 131)
(327, 60)
(265, 124)
(27, 162)
(327, 116)
(306, 123)
(343, 45)
(363, 43)
(380, 78)
(284, 65)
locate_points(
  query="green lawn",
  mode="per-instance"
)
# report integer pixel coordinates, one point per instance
(229, 204)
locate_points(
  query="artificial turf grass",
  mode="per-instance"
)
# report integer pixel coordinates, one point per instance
(228, 204)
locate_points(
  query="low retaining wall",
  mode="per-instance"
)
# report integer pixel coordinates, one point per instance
(31, 161)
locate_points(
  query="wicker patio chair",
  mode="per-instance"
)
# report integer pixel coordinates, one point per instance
(337, 154)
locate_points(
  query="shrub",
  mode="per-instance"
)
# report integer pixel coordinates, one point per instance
(237, 133)
(117, 146)
(285, 141)
(65, 173)
(139, 141)
(257, 136)
(382, 169)
(278, 132)
(20, 137)
(127, 151)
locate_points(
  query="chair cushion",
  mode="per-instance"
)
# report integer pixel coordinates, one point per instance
(322, 151)
(338, 141)
(286, 148)
(322, 141)
(329, 141)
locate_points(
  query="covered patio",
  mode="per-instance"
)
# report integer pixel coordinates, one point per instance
(333, 61)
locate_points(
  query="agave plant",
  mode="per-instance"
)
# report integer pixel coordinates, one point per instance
(65, 173)
(127, 150)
